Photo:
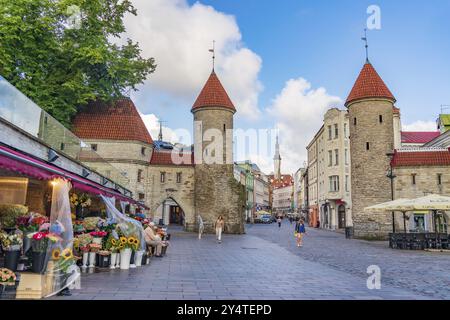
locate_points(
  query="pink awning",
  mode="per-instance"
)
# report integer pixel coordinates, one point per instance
(19, 162)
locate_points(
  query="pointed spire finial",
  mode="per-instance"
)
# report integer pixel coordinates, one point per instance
(213, 50)
(367, 45)
(160, 136)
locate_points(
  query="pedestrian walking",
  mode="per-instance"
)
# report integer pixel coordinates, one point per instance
(279, 221)
(220, 223)
(201, 227)
(300, 231)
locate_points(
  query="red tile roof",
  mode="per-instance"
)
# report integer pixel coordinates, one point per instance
(165, 158)
(213, 94)
(396, 110)
(118, 120)
(286, 180)
(369, 85)
(421, 158)
(419, 137)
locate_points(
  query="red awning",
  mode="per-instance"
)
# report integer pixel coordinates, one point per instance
(19, 162)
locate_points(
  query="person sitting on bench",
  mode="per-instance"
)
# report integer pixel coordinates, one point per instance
(152, 239)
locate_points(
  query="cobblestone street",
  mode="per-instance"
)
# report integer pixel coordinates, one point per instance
(266, 264)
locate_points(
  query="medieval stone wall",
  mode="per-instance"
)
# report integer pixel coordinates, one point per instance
(127, 158)
(181, 192)
(370, 186)
(218, 193)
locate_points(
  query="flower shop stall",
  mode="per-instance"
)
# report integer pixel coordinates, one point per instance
(43, 232)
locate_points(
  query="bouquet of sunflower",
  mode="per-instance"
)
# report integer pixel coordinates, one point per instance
(128, 243)
(64, 259)
(112, 244)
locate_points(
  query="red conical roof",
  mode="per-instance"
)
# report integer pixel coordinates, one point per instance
(213, 94)
(369, 85)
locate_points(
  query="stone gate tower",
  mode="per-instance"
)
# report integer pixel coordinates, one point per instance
(216, 190)
(370, 108)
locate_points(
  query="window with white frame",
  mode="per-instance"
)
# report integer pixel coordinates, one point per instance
(334, 183)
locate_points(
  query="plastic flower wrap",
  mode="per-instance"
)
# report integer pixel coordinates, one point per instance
(57, 228)
(7, 277)
(95, 247)
(90, 223)
(84, 239)
(44, 227)
(78, 227)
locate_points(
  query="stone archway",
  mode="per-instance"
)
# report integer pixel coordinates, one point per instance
(170, 209)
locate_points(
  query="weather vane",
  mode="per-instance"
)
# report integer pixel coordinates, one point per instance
(367, 45)
(213, 50)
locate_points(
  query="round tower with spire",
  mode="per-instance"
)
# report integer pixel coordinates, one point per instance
(216, 191)
(370, 108)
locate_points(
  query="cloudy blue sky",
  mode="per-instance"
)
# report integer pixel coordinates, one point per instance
(284, 63)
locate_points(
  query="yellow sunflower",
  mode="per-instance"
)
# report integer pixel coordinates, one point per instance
(132, 240)
(56, 253)
(121, 246)
(67, 254)
(114, 242)
(123, 240)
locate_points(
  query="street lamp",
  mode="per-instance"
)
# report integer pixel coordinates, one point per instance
(390, 175)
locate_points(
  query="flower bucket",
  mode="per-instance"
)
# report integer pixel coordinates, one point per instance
(132, 259)
(92, 256)
(113, 260)
(38, 262)
(85, 259)
(144, 259)
(103, 261)
(125, 258)
(118, 260)
(138, 258)
(26, 244)
(12, 259)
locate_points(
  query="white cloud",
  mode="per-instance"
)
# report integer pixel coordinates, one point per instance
(421, 126)
(151, 122)
(178, 36)
(299, 112)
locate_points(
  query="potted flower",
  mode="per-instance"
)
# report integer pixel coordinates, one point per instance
(29, 224)
(98, 236)
(7, 278)
(90, 223)
(39, 244)
(112, 246)
(11, 244)
(126, 247)
(79, 202)
(93, 249)
(83, 241)
(8, 215)
(104, 258)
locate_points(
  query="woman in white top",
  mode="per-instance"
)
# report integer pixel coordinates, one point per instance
(219, 228)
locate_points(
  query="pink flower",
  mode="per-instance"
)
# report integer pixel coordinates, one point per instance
(44, 226)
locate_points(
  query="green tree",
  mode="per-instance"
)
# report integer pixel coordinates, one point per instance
(64, 53)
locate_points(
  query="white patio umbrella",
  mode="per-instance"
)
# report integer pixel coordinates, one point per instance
(395, 205)
(402, 205)
(431, 202)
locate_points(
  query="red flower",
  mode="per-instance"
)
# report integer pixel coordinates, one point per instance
(38, 236)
